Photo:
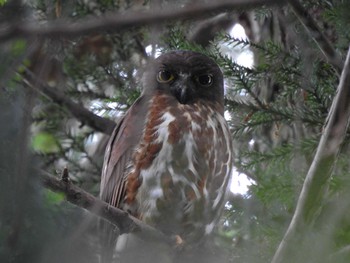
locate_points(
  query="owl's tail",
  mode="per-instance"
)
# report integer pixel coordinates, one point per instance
(108, 240)
(129, 248)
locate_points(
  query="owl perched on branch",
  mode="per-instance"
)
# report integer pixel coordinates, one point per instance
(169, 160)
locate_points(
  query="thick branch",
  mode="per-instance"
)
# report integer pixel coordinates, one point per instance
(78, 111)
(317, 179)
(314, 30)
(116, 22)
(117, 217)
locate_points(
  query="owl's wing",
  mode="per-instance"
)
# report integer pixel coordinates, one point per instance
(121, 146)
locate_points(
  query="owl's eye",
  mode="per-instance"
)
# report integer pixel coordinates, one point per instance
(165, 76)
(205, 79)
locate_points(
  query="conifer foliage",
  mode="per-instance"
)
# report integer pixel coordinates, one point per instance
(70, 69)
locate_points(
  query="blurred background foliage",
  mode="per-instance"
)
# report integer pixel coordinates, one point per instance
(277, 101)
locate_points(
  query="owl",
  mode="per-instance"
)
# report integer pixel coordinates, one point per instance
(169, 159)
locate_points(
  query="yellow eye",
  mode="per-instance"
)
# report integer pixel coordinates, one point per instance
(165, 76)
(205, 79)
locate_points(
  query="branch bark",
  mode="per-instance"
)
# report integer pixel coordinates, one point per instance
(316, 33)
(317, 179)
(205, 31)
(125, 222)
(78, 111)
(116, 22)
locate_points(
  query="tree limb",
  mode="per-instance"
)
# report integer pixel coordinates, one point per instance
(78, 111)
(314, 30)
(125, 222)
(205, 31)
(116, 22)
(317, 179)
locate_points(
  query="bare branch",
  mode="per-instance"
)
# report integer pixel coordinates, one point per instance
(116, 22)
(341, 253)
(314, 30)
(78, 111)
(317, 179)
(125, 222)
(206, 30)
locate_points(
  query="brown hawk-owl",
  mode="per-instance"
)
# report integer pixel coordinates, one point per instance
(168, 161)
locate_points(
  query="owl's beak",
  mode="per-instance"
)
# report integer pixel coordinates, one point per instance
(183, 94)
(183, 91)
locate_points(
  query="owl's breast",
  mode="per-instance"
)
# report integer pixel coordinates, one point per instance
(181, 168)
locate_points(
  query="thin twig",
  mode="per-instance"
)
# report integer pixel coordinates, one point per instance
(115, 22)
(125, 222)
(344, 252)
(317, 179)
(314, 30)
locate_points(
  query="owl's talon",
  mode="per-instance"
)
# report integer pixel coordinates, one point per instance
(179, 242)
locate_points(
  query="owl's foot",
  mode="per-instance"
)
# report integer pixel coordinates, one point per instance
(179, 241)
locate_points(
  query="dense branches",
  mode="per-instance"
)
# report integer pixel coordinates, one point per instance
(318, 177)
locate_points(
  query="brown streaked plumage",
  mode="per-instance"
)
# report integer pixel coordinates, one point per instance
(168, 161)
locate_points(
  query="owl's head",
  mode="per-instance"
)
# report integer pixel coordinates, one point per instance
(188, 76)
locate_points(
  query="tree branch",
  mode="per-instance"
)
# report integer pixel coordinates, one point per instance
(317, 179)
(116, 22)
(78, 111)
(341, 253)
(315, 32)
(125, 222)
(205, 31)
